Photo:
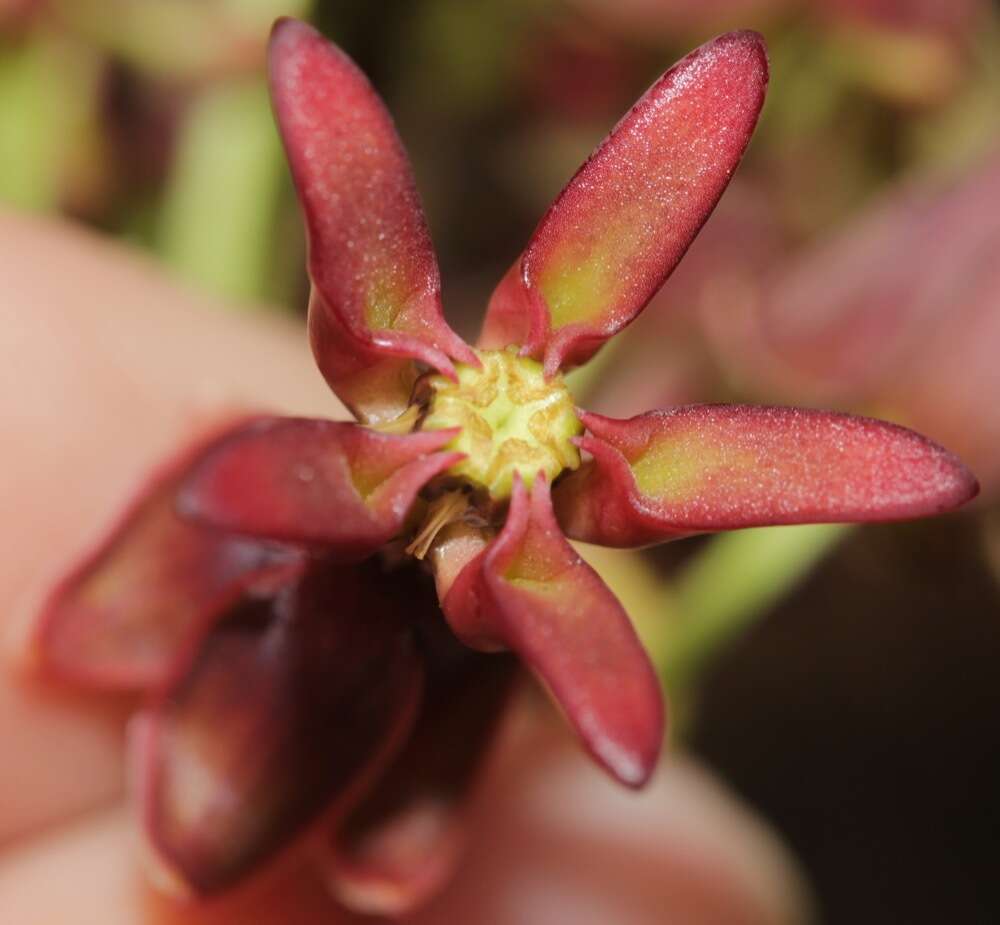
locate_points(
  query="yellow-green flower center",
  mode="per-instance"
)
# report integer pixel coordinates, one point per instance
(511, 420)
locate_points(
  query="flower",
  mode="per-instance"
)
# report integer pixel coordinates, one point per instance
(264, 590)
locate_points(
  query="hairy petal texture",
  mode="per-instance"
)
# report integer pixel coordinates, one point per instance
(402, 844)
(624, 221)
(274, 722)
(376, 304)
(700, 468)
(332, 484)
(126, 612)
(531, 592)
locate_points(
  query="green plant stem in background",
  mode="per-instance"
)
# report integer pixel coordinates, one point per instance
(735, 579)
(953, 137)
(584, 381)
(219, 212)
(178, 39)
(47, 92)
(645, 595)
(687, 619)
(29, 132)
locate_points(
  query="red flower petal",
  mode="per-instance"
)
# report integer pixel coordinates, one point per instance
(404, 841)
(328, 483)
(376, 304)
(627, 217)
(718, 467)
(531, 592)
(293, 702)
(122, 616)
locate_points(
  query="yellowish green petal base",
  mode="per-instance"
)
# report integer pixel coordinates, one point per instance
(512, 420)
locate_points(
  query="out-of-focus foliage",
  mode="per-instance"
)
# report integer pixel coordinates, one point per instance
(150, 120)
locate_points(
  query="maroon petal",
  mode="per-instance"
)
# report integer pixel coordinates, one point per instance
(719, 467)
(376, 304)
(625, 220)
(531, 592)
(293, 702)
(122, 616)
(400, 847)
(334, 484)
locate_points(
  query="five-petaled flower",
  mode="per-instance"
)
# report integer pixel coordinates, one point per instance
(271, 589)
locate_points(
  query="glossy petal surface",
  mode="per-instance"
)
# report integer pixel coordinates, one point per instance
(627, 217)
(718, 467)
(295, 698)
(403, 843)
(376, 304)
(125, 613)
(531, 592)
(333, 484)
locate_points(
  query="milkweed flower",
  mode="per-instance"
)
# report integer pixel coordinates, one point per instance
(269, 590)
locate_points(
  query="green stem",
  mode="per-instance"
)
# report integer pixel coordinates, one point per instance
(584, 381)
(47, 96)
(734, 581)
(218, 217)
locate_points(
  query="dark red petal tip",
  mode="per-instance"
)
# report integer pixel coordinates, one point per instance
(624, 221)
(274, 725)
(719, 467)
(331, 484)
(530, 591)
(376, 306)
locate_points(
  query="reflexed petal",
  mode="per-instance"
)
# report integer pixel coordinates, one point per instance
(125, 613)
(295, 699)
(719, 467)
(531, 592)
(404, 841)
(627, 217)
(329, 483)
(376, 304)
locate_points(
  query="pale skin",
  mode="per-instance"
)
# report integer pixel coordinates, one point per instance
(106, 366)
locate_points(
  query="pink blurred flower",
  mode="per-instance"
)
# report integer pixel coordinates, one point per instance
(897, 313)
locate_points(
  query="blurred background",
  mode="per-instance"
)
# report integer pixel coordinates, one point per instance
(847, 682)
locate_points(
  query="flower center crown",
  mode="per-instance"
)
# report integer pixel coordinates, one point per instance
(511, 420)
